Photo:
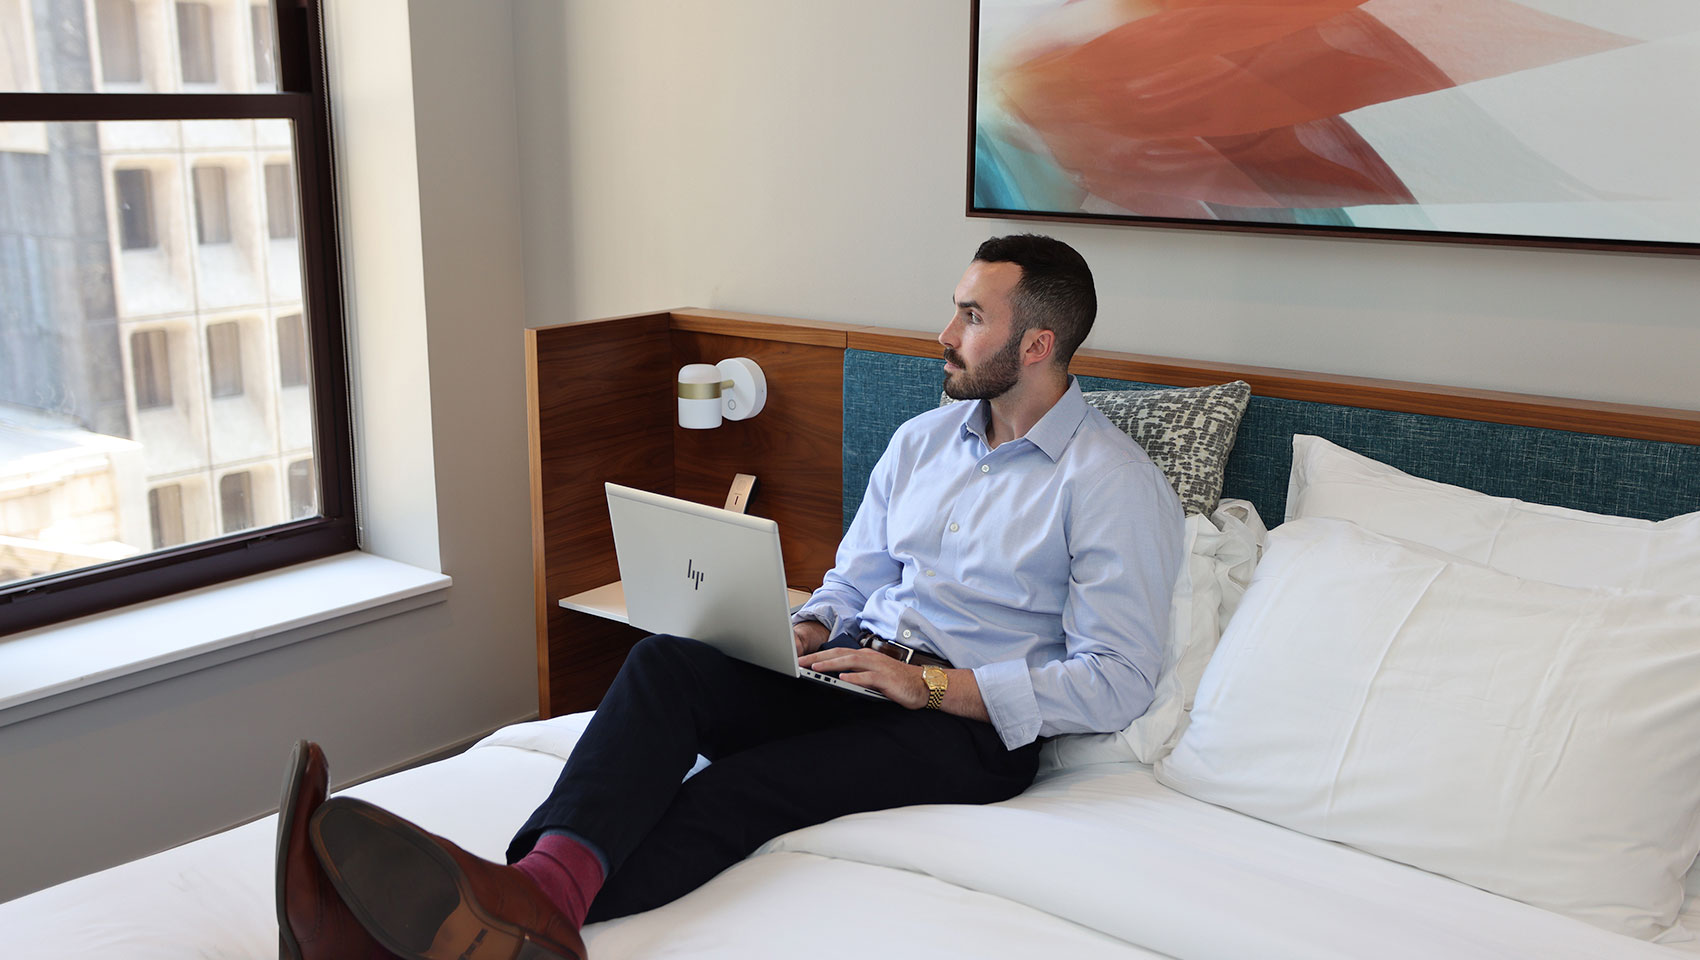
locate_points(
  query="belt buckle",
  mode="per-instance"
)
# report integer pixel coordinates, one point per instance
(908, 651)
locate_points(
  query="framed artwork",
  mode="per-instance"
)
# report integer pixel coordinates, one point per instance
(1530, 122)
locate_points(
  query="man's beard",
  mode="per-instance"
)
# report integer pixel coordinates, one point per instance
(993, 379)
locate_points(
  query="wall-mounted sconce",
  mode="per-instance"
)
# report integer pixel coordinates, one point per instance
(735, 389)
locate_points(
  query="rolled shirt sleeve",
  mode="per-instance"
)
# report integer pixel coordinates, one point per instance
(1125, 539)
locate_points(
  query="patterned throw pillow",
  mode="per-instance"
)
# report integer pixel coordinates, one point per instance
(1187, 432)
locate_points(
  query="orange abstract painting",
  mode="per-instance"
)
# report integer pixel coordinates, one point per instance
(1566, 119)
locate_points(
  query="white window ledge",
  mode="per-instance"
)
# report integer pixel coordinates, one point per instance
(55, 667)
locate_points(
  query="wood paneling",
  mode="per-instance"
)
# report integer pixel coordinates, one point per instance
(599, 410)
(755, 327)
(1583, 416)
(794, 446)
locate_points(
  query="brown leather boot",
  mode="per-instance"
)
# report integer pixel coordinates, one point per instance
(312, 921)
(427, 899)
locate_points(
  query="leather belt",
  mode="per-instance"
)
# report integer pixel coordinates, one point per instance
(901, 651)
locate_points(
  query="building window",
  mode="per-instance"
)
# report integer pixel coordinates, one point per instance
(195, 43)
(236, 501)
(150, 367)
(102, 353)
(136, 230)
(165, 515)
(291, 350)
(224, 358)
(265, 57)
(212, 205)
(303, 490)
(120, 49)
(280, 200)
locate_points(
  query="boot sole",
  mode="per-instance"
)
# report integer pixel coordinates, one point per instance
(287, 946)
(408, 892)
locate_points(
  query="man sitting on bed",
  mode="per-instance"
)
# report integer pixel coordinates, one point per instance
(1020, 545)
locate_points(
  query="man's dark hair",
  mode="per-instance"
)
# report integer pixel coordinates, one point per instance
(1055, 292)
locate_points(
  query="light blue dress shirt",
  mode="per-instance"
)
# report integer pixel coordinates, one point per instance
(1045, 565)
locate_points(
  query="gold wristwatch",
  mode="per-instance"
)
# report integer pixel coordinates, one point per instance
(937, 681)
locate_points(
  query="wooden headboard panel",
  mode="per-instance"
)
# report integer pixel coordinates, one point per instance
(601, 408)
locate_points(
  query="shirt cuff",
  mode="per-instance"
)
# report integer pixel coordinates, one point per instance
(1006, 687)
(825, 614)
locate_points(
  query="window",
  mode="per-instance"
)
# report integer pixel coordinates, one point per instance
(165, 515)
(265, 64)
(302, 502)
(224, 358)
(280, 201)
(135, 209)
(236, 501)
(150, 365)
(291, 350)
(120, 50)
(195, 43)
(212, 205)
(119, 351)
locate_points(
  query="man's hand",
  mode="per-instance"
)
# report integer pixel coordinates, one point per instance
(899, 681)
(809, 635)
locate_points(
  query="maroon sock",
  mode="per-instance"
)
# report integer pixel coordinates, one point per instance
(566, 871)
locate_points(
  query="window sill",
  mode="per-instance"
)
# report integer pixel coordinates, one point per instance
(45, 670)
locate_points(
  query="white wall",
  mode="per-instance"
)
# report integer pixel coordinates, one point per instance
(808, 159)
(433, 234)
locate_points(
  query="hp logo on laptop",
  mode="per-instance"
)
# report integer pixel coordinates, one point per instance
(694, 575)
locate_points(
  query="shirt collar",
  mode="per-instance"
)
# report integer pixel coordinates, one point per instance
(1053, 431)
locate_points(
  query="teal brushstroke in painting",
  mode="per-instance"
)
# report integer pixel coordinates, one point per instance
(1007, 177)
(1322, 217)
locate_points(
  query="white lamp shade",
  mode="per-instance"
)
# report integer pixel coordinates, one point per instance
(734, 389)
(699, 396)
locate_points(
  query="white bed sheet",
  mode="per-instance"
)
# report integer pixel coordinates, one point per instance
(214, 898)
(1094, 862)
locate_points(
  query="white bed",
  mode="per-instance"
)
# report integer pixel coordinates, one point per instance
(1097, 861)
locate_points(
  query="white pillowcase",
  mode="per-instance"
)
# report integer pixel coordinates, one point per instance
(1538, 741)
(1555, 544)
(1221, 552)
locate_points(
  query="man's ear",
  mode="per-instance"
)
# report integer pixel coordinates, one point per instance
(1038, 345)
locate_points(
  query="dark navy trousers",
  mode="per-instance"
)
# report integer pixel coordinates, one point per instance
(785, 753)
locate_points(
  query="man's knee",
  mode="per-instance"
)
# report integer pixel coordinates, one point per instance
(663, 651)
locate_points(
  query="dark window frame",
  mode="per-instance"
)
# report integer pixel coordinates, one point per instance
(301, 97)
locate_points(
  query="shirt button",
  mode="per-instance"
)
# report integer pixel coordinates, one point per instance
(985, 468)
(907, 634)
(929, 573)
(954, 528)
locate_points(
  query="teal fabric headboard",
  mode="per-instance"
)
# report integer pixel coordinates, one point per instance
(1632, 478)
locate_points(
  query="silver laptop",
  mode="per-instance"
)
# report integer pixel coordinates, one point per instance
(708, 574)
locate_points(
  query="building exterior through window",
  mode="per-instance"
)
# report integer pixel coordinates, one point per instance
(156, 372)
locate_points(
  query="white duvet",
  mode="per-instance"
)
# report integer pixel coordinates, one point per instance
(1098, 861)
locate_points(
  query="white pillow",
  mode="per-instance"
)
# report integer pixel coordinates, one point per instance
(1221, 552)
(1538, 741)
(1555, 544)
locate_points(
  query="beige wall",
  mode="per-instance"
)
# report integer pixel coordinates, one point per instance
(808, 159)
